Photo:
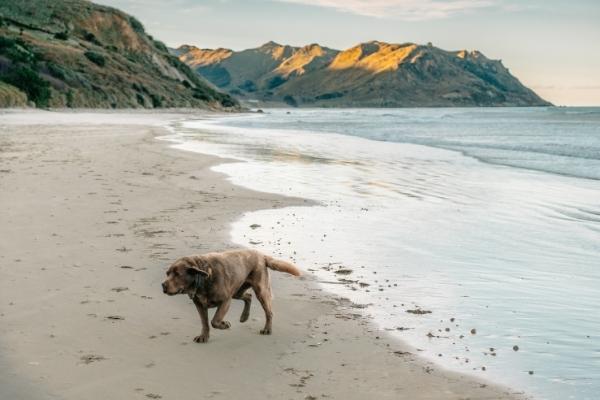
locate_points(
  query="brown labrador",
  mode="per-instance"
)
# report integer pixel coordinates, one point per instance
(213, 279)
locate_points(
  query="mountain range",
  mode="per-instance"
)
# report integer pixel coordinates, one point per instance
(73, 53)
(372, 74)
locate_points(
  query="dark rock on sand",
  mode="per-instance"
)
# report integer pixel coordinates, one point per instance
(90, 358)
(418, 311)
(343, 271)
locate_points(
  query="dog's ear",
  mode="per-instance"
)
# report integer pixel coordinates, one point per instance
(198, 265)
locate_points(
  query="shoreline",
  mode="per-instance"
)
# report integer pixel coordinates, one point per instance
(302, 238)
(197, 208)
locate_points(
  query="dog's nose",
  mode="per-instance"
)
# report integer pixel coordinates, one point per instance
(164, 287)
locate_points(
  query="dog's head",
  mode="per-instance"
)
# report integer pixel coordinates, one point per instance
(183, 274)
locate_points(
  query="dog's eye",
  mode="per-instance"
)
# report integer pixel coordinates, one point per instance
(175, 273)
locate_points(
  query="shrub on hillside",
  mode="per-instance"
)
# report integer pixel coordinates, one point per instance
(70, 97)
(29, 81)
(228, 101)
(96, 58)
(329, 96)
(201, 95)
(61, 35)
(136, 25)
(275, 81)
(10, 96)
(157, 101)
(17, 50)
(248, 86)
(6, 42)
(290, 100)
(160, 45)
(56, 71)
(90, 37)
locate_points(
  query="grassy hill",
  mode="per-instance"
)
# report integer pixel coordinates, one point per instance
(73, 53)
(10, 96)
(372, 74)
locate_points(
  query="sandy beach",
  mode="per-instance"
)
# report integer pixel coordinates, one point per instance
(93, 209)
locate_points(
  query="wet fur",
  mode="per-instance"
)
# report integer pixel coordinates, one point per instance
(214, 279)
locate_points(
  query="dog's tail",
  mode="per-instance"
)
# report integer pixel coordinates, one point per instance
(282, 266)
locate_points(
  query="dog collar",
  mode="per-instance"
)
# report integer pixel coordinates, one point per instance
(199, 283)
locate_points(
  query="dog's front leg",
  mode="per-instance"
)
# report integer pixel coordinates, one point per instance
(203, 311)
(217, 321)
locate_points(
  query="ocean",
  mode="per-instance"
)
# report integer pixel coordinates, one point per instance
(471, 234)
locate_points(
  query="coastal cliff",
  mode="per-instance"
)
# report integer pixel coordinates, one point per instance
(73, 53)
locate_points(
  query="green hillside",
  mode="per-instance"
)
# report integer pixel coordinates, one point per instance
(73, 53)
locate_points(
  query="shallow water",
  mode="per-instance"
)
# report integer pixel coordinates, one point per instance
(508, 250)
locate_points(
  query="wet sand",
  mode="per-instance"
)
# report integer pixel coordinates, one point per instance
(93, 209)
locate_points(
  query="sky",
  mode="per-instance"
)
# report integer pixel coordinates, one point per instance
(552, 46)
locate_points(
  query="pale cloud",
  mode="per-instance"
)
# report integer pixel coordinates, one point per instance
(409, 10)
(173, 6)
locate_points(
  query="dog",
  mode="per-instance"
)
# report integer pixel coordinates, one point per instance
(213, 279)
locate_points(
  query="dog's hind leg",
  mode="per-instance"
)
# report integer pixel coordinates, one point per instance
(263, 294)
(247, 297)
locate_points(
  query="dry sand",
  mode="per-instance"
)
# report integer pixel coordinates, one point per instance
(93, 209)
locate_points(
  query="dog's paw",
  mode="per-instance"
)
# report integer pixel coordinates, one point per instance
(244, 317)
(266, 331)
(221, 325)
(201, 339)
